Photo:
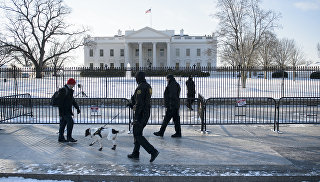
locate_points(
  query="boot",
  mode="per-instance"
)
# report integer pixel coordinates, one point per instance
(154, 156)
(158, 133)
(134, 156)
(176, 135)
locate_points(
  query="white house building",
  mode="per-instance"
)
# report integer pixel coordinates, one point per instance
(148, 47)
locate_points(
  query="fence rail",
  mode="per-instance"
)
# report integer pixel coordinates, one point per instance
(99, 111)
(15, 106)
(22, 109)
(303, 110)
(211, 82)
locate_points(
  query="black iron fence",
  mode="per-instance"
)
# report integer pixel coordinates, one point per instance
(15, 106)
(95, 111)
(211, 82)
(303, 110)
(22, 109)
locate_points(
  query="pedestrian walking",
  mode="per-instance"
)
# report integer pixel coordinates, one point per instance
(66, 101)
(191, 92)
(172, 104)
(140, 103)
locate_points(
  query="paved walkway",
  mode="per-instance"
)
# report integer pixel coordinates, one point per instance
(227, 153)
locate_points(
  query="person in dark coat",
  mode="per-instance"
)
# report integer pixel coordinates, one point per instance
(191, 92)
(66, 102)
(140, 103)
(172, 104)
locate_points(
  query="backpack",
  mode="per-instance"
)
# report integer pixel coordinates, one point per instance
(55, 100)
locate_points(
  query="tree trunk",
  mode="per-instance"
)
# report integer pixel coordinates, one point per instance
(38, 72)
(243, 78)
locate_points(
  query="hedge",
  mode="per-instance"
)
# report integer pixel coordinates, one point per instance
(315, 75)
(103, 73)
(280, 74)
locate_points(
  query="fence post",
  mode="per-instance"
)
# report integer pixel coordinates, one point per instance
(277, 116)
(201, 112)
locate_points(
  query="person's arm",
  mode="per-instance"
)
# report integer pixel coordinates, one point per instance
(140, 99)
(75, 104)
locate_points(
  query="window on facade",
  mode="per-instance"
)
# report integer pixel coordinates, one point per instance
(101, 65)
(161, 64)
(187, 64)
(149, 52)
(111, 65)
(122, 65)
(177, 52)
(198, 52)
(137, 65)
(101, 52)
(161, 52)
(121, 52)
(91, 65)
(111, 53)
(187, 52)
(177, 65)
(198, 65)
(91, 52)
(137, 52)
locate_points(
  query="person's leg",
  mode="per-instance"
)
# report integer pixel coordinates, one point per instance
(176, 121)
(136, 149)
(141, 140)
(165, 122)
(70, 124)
(62, 126)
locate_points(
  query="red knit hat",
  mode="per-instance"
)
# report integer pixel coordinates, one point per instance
(71, 81)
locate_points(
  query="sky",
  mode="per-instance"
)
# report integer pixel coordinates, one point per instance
(299, 18)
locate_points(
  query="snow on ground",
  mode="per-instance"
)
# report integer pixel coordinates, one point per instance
(20, 179)
(217, 85)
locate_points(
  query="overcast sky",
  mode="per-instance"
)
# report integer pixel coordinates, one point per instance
(300, 18)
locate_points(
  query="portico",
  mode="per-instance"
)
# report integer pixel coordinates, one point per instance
(147, 47)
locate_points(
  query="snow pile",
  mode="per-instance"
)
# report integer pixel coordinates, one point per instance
(20, 179)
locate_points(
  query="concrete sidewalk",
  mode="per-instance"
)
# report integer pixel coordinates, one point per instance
(227, 153)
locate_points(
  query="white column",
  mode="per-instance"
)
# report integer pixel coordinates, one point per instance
(154, 48)
(168, 54)
(126, 55)
(140, 54)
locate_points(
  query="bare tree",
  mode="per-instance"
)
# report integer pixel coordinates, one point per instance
(57, 62)
(266, 51)
(4, 56)
(22, 60)
(242, 25)
(297, 59)
(34, 26)
(283, 52)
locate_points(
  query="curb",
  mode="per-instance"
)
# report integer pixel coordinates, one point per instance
(106, 178)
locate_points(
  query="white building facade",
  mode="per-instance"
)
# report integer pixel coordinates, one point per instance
(148, 47)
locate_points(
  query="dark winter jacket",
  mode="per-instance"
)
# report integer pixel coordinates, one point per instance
(191, 91)
(172, 94)
(66, 101)
(141, 99)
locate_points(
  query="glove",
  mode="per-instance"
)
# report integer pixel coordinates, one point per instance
(78, 111)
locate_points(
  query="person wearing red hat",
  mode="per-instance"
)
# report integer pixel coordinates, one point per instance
(65, 110)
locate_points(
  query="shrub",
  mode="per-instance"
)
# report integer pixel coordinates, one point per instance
(315, 75)
(180, 73)
(103, 73)
(279, 74)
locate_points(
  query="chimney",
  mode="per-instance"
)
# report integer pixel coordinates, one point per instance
(181, 32)
(119, 32)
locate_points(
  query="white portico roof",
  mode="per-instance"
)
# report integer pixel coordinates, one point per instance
(148, 34)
